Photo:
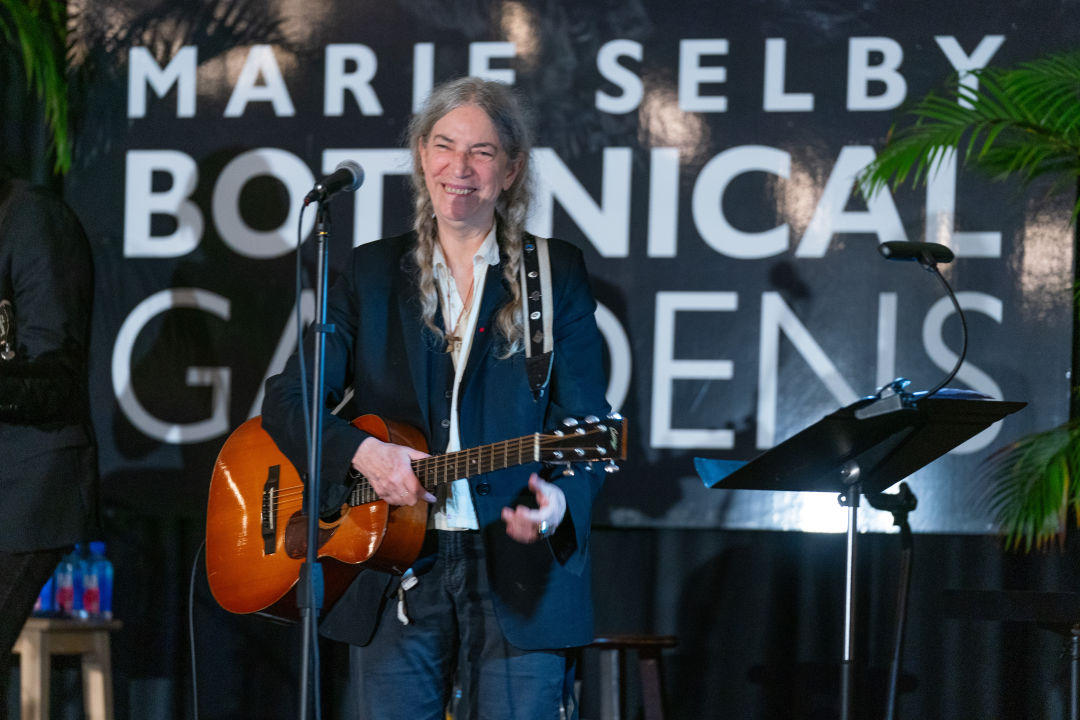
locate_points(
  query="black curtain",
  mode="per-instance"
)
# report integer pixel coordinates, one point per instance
(758, 617)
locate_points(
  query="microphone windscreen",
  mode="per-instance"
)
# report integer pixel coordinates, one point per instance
(357, 173)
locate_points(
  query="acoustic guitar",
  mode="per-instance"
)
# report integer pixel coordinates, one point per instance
(256, 532)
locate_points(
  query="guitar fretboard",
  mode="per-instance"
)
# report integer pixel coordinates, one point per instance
(439, 469)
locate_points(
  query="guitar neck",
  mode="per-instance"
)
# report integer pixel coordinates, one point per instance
(441, 469)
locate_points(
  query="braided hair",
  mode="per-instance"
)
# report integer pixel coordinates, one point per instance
(507, 114)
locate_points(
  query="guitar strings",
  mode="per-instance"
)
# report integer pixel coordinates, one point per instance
(439, 465)
(446, 468)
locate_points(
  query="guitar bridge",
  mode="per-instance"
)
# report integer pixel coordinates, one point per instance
(269, 509)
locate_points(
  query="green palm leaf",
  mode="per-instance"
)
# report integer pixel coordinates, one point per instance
(1032, 486)
(1022, 122)
(39, 28)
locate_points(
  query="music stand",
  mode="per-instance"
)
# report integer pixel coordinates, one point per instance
(864, 448)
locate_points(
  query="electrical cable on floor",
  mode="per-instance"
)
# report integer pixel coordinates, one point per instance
(191, 630)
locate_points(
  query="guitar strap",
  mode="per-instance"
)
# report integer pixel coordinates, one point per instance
(536, 306)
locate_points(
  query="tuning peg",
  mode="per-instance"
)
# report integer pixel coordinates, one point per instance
(569, 472)
(557, 455)
(558, 433)
(611, 467)
(570, 422)
(579, 431)
(591, 419)
(614, 416)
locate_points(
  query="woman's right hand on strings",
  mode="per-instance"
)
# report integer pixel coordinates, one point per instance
(388, 467)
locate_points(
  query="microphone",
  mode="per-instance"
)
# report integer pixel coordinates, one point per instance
(921, 251)
(347, 177)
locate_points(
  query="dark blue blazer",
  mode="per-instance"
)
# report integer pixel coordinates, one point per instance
(399, 370)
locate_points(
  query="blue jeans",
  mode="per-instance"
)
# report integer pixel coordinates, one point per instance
(453, 641)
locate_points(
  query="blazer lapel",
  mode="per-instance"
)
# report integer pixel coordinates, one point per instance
(417, 338)
(495, 293)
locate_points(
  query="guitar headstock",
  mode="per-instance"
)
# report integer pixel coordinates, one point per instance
(591, 439)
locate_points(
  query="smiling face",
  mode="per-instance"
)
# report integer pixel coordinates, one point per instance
(465, 169)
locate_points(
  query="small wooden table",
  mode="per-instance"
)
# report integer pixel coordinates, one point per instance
(41, 638)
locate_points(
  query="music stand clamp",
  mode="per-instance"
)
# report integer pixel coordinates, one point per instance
(863, 449)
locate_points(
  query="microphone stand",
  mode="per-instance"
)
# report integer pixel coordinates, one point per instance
(900, 504)
(310, 591)
(888, 399)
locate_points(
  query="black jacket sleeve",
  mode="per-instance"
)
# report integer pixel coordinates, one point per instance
(45, 273)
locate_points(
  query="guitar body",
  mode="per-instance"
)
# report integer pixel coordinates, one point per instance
(256, 534)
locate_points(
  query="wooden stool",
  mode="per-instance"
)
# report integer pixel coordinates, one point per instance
(41, 638)
(648, 647)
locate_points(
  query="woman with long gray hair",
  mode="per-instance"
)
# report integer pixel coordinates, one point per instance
(430, 330)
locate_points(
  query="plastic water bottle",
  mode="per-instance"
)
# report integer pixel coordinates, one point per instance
(69, 584)
(91, 592)
(97, 583)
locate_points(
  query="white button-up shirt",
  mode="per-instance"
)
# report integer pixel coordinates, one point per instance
(454, 507)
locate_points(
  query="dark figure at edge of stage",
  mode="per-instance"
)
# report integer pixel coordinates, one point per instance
(48, 459)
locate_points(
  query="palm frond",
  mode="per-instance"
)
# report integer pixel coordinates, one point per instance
(1022, 122)
(1032, 486)
(1048, 88)
(39, 28)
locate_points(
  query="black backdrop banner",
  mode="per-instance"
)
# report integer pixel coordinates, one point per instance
(702, 154)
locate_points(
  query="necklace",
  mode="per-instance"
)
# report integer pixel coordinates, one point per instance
(453, 340)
